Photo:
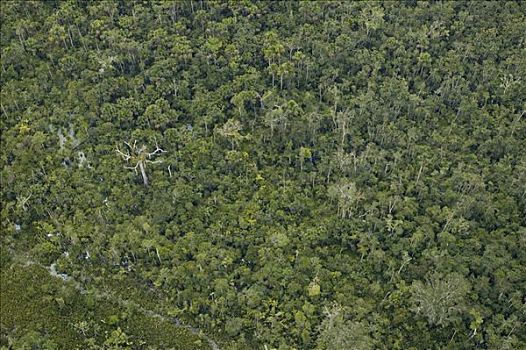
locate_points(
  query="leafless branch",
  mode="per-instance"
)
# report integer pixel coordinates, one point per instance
(23, 201)
(157, 150)
(132, 148)
(133, 168)
(125, 156)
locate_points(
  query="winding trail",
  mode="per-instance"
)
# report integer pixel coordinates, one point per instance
(52, 269)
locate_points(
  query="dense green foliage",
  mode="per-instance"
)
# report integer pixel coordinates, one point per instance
(289, 175)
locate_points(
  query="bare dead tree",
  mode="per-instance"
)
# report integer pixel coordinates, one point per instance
(140, 157)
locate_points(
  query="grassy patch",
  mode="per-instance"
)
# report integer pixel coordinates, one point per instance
(39, 311)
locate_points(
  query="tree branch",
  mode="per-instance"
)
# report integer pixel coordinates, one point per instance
(125, 156)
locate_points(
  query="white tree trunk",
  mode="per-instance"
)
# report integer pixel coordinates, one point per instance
(143, 173)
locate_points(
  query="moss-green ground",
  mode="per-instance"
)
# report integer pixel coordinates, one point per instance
(43, 312)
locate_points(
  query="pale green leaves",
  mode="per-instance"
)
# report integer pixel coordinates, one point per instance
(440, 299)
(339, 333)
